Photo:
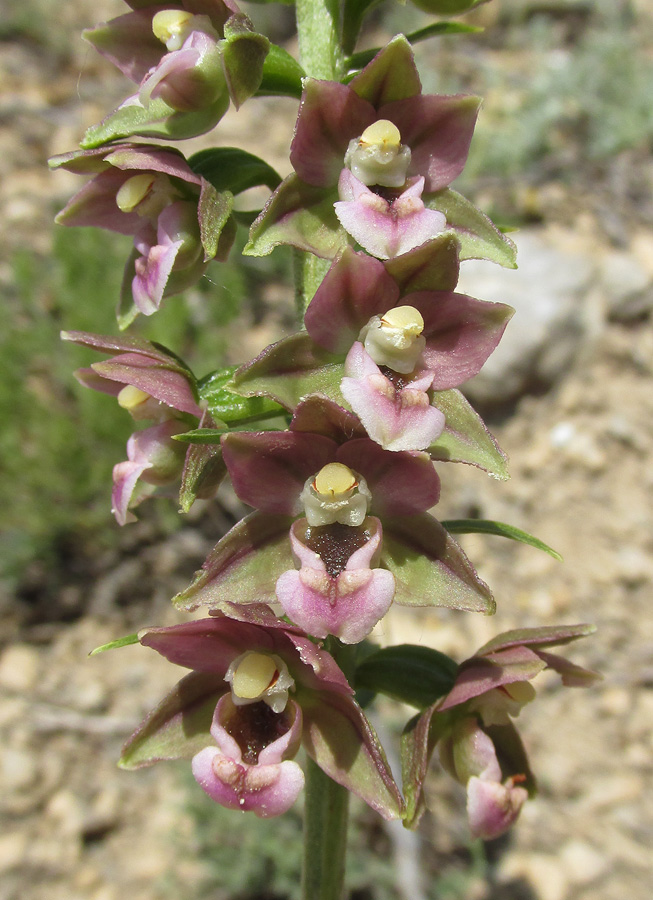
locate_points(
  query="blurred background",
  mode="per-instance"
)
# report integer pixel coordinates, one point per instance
(562, 155)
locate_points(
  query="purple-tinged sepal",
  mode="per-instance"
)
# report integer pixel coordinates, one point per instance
(331, 593)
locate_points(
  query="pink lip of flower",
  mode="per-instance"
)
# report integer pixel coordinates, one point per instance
(397, 418)
(153, 458)
(386, 228)
(334, 730)
(347, 604)
(269, 786)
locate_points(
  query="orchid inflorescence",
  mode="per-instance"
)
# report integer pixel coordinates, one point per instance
(352, 411)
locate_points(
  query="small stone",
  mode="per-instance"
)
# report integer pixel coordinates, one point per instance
(19, 668)
(582, 863)
(19, 769)
(543, 873)
(66, 811)
(13, 847)
(616, 701)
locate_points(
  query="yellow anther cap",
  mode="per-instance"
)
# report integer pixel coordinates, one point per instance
(130, 397)
(254, 674)
(334, 479)
(404, 318)
(168, 23)
(381, 133)
(134, 191)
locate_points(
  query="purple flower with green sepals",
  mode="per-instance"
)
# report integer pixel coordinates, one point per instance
(152, 384)
(258, 689)
(377, 148)
(473, 730)
(178, 220)
(189, 60)
(390, 348)
(340, 530)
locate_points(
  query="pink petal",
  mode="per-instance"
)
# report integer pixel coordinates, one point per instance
(396, 419)
(492, 807)
(386, 229)
(266, 791)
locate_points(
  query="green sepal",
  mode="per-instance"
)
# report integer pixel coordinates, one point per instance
(114, 645)
(243, 56)
(203, 472)
(232, 169)
(432, 266)
(430, 567)
(157, 119)
(465, 438)
(244, 565)
(219, 391)
(487, 526)
(180, 726)
(418, 742)
(447, 7)
(214, 211)
(290, 370)
(409, 673)
(282, 74)
(359, 60)
(391, 76)
(479, 237)
(301, 215)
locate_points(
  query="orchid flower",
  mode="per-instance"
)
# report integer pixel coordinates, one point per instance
(473, 730)
(258, 688)
(188, 59)
(151, 193)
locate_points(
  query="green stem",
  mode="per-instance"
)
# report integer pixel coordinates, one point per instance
(318, 30)
(326, 811)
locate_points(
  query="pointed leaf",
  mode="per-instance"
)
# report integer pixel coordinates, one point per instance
(430, 568)
(244, 565)
(465, 438)
(479, 237)
(409, 673)
(487, 526)
(114, 645)
(290, 370)
(227, 405)
(358, 60)
(180, 726)
(232, 169)
(282, 74)
(301, 215)
(544, 636)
